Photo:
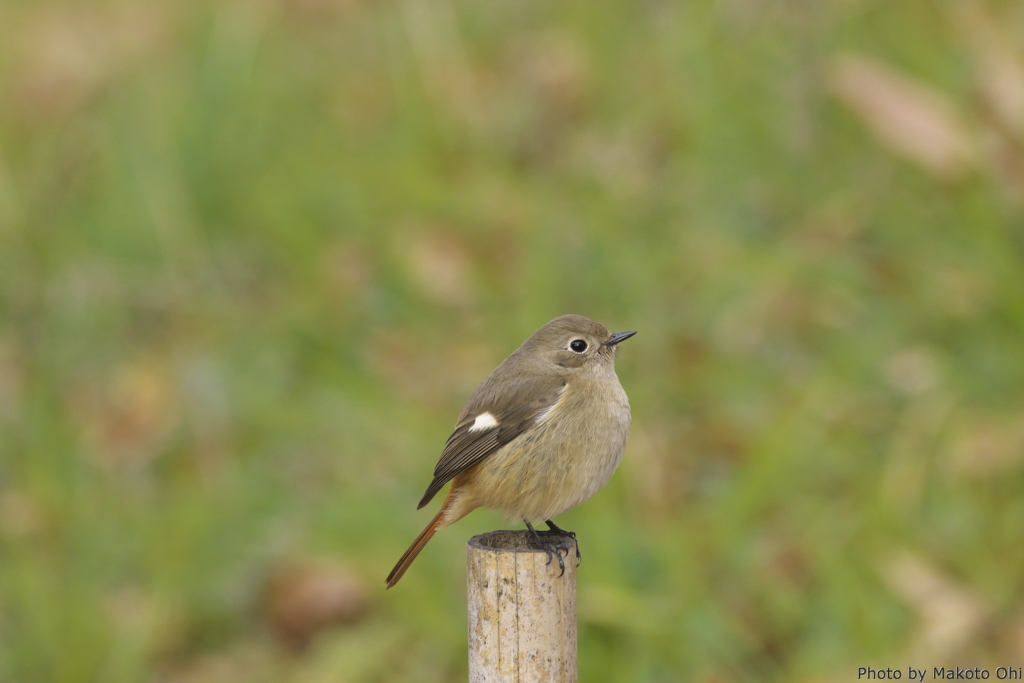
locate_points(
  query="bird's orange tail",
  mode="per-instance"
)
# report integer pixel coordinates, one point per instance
(414, 549)
(454, 508)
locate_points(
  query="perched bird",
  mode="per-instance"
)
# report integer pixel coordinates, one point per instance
(541, 435)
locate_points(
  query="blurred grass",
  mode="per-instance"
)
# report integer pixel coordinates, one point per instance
(255, 255)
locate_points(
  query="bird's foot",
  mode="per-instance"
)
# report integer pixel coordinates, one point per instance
(555, 530)
(542, 540)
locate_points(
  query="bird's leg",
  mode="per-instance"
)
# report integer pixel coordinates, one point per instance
(555, 529)
(546, 546)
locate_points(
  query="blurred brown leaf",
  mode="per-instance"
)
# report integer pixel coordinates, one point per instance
(999, 84)
(911, 119)
(999, 71)
(779, 556)
(347, 270)
(439, 264)
(305, 598)
(20, 514)
(829, 227)
(912, 371)
(1013, 637)
(69, 51)
(417, 371)
(623, 162)
(951, 615)
(245, 661)
(540, 90)
(126, 418)
(987, 445)
(554, 69)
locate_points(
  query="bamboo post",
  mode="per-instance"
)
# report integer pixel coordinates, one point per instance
(522, 614)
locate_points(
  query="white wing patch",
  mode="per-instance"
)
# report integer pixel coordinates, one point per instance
(483, 421)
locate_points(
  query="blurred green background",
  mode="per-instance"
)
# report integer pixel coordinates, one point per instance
(255, 255)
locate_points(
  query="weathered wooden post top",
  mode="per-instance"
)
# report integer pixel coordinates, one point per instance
(522, 609)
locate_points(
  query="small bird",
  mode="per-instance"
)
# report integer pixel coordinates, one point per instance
(541, 435)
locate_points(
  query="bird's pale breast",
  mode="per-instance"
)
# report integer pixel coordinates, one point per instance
(560, 462)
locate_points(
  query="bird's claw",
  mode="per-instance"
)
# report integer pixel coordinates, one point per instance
(555, 530)
(557, 555)
(550, 548)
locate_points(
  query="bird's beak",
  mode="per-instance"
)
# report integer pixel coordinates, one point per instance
(619, 337)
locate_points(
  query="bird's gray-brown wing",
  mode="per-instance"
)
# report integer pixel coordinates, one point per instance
(524, 403)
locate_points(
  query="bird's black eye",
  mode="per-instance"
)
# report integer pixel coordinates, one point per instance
(578, 345)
